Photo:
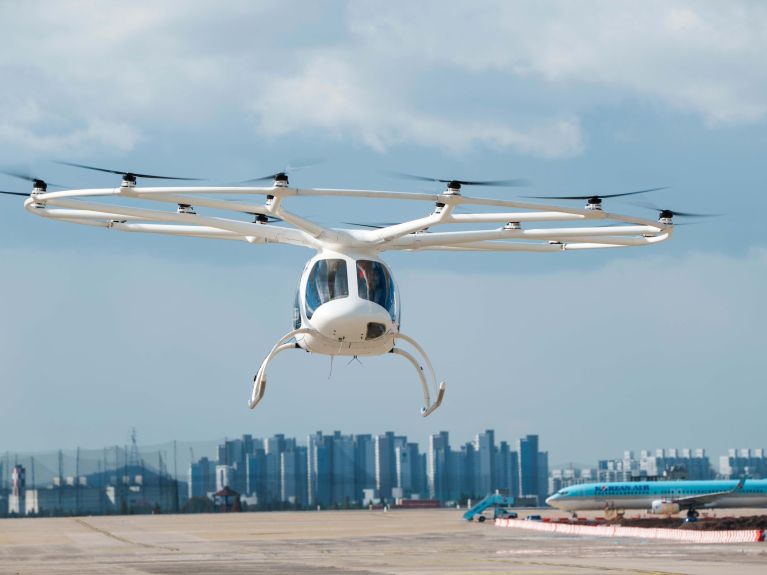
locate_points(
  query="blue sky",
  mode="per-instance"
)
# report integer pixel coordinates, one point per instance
(597, 352)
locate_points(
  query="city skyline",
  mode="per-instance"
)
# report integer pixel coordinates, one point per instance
(210, 447)
(335, 470)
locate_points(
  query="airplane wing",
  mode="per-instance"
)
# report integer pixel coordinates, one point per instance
(702, 500)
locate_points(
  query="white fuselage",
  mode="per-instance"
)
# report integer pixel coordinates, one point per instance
(642, 495)
(348, 305)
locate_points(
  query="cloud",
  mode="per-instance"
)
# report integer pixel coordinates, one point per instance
(333, 93)
(703, 57)
(498, 75)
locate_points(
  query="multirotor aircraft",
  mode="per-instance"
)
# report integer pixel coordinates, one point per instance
(347, 302)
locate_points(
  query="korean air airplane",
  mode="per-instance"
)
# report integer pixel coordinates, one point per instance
(662, 497)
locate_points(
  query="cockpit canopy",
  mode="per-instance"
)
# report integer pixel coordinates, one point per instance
(329, 279)
(374, 283)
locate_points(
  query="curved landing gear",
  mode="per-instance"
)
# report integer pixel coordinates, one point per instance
(259, 380)
(428, 407)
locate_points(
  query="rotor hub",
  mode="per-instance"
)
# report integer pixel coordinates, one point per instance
(453, 188)
(39, 186)
(129, 181)
(666, 217)
(185, 209)
(281, 180)
(594, 203)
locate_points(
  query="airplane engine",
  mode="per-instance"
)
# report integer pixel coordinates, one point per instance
(660, 507)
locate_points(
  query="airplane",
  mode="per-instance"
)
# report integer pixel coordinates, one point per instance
(661, 497)
(347, 302)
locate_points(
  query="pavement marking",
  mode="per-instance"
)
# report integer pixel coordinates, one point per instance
(122, 539)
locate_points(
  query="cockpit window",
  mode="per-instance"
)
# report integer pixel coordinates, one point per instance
(327, 281)
(374, 283)
(297, 311)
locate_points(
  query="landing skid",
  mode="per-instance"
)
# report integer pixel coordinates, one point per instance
(259, 380)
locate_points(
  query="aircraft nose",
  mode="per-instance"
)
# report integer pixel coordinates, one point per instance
(551, 499)
(351, 321)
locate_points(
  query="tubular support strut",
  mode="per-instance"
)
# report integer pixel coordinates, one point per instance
(429, 407)
(259, 381)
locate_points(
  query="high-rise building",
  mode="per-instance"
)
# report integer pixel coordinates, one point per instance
(255, 475)
(225, 476)
(202, 478)
(17, 499)
(485, 480)
(533, 469)
(438, 466)
(507, 470)
(293, 473)
(691, 464)
(342, 474)
(750, 463)
(319, 470)
(364, 465)
(386, 465)
(409, 470)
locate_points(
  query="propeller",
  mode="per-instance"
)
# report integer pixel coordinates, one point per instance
(666, 214)
(456, 184)
(595, 199)
(37, 182)
(259, 217)
(263, 218)
(15, 193)
(374, 226)
(282, 176)
(127, 176)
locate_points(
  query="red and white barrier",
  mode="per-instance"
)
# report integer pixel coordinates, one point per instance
(689, 535)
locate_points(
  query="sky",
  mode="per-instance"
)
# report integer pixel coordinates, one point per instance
(599, 352)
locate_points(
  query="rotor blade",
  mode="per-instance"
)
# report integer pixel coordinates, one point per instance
(374, 226)
(291, 167)
(514, 182)
(404, 176)
(690, 215)
(504, 183)
(124, 172)
(303, 164)
(651, 206)
(28, 178)
(15, 193)
(263, 213)
(595, 195)
(262, 178)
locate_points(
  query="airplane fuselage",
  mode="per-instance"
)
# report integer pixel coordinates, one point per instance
(642, 494)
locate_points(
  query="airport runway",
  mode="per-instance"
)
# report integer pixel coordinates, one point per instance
(346, 542)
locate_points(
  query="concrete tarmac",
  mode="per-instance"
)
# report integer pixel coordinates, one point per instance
(345, 542)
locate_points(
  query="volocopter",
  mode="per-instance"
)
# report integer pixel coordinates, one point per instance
(347, 302)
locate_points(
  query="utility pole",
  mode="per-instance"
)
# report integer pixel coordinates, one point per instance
(61, 481)
(77, 481)
(175, 480)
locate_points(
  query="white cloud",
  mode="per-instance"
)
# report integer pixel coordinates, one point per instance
(705, 57)
(502, 75)
(333, 93)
